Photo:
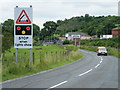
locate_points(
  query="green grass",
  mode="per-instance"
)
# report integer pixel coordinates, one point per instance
(111, 51)
(45, 57)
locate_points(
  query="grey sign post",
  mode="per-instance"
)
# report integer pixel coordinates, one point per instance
(76, 37)
(23, 29)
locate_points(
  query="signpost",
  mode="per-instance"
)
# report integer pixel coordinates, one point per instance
(76, 38)
(23, 29)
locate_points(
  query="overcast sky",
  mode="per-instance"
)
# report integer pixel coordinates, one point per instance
(53, 10)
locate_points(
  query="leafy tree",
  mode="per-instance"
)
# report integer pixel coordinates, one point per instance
(0, 38)
(8, 26)
(48, 30)
(89, 24)
(7, 34)
(7, 41)
(36, 32)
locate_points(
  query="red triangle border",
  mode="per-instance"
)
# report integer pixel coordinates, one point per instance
(29, 22)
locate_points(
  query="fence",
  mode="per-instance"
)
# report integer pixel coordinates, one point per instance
(38, 57)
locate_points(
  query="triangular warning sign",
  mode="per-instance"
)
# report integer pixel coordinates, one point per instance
(23, 18)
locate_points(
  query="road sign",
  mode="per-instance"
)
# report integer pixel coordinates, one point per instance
(23, 18)
(23, 29)
(76, 39)
(76, 36)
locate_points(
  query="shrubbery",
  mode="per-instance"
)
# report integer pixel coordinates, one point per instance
(111, 42)
(67, 42)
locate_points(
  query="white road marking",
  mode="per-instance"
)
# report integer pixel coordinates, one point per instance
(92, 69)
(101, 61)
(101, 58)
(78, 75)
(85, 72)
(49, 70)
(58, 84)
(97, 65)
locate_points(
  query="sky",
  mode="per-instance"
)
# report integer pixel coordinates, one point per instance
(53, 10)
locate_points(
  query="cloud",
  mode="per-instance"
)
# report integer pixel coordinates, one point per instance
(52, 10)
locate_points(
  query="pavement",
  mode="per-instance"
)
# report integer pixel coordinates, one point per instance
(92, 71)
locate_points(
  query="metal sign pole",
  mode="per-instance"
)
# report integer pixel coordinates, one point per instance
(75, 42)
(16, 57)
(79, 43)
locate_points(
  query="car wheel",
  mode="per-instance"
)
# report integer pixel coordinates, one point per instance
(105, 54)
(98, 54)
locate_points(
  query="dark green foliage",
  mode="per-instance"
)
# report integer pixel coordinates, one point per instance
(7, 32)
(36, 32)
(48, 30)
(111, 42)
(67, 42)
(101, 25)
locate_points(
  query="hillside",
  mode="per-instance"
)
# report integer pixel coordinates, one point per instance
(89, 24)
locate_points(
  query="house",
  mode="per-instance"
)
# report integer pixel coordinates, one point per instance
(69, 36)
(62, 38)
(116, 32)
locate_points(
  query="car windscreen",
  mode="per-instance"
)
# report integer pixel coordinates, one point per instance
(102, 49)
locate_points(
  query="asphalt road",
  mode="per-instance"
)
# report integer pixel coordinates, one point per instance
(92, 71)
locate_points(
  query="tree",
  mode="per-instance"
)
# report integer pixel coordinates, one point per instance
(0, 38)
(8, 26)
(36, 32)
(49, 29)
(89, 24)
(7, 41)
(7, 34)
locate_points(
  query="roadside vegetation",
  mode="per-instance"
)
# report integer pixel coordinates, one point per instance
(112, 45)
(45, 57)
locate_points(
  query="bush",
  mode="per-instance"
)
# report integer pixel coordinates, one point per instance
(111, 42)
(67, 42)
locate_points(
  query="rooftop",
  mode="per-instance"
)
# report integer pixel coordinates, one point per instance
(117, 28)
(77, 33)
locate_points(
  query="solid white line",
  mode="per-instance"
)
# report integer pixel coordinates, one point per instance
(97, 65)
(101, 58)
(58, 84)
(101, 61)
(85, 72)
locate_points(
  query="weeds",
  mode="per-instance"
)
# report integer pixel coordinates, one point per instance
(44, 58)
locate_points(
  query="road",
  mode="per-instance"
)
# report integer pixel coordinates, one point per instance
(92, 71)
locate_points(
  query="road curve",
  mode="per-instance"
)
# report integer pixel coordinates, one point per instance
(92, 71)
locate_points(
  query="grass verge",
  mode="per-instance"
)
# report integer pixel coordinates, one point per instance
(46, 58)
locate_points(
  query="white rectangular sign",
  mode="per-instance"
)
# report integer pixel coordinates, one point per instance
(23, 29)
(76, 36)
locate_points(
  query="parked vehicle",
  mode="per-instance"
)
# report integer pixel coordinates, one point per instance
(101, 51)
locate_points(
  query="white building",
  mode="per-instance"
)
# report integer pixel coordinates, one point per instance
(69, 36)
(105, 36)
